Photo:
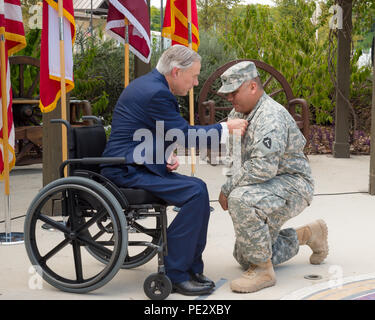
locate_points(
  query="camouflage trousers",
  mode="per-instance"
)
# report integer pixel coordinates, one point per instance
(258, 215)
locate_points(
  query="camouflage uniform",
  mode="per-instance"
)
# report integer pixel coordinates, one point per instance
(270, 180)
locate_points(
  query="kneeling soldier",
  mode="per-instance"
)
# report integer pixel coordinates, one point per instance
(270, 183)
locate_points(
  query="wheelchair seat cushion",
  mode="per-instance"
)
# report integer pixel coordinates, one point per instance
(139, 197)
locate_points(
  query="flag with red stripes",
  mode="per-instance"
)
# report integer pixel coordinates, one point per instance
(139, 25)
(50, 75)
(12, 31)
(175, 24)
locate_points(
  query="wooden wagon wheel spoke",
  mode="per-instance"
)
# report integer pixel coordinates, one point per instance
(274, 93)
(33, 85)
(21, 81)
(217, 94)
(265, 85)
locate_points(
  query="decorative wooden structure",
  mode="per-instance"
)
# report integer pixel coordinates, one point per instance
(26, 113)
(37, 140)
(213, 106)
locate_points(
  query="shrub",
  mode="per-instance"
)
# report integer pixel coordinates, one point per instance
(284, 37)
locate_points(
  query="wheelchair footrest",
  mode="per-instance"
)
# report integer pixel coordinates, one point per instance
(144, 244)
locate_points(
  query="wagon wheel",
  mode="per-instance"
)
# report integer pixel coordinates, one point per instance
(213, 107)
(26, 113)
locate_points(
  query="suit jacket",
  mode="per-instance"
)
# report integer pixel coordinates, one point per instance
(144, 113)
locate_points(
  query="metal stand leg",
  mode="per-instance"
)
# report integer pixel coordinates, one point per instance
(8, 237)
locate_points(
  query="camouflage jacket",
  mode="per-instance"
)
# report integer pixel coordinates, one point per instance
(272, 148)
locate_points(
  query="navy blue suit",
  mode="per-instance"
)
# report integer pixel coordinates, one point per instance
(143, 103)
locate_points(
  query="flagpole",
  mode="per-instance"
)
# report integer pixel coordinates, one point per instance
(161, 26)
(191, 91)
(5, 137)
(7, 237)
(62, 84)
(126, 82)
(5, 115)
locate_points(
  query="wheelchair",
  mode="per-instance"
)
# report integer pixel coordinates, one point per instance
(98, 228)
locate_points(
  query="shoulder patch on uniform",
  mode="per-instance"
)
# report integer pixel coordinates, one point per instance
(267, 142)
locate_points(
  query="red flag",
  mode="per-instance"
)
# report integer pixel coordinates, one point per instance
(11, 28)
(50, 88)
(139, 25)
(175, 25)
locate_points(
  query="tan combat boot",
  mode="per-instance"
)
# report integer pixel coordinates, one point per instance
(255, 278)
(315, 236)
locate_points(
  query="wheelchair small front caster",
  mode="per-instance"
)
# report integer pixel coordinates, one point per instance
(157, 286)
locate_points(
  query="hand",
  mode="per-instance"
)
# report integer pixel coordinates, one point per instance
(237, 126)
(172, 162)
(223, 200)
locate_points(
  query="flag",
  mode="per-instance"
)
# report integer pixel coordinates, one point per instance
(139, 25)
(50, 76)
(175, 25)
(11, 28)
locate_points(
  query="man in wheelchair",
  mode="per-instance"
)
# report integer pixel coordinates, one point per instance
(146, 110)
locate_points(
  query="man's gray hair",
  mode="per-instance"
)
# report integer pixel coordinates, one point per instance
(177, 56)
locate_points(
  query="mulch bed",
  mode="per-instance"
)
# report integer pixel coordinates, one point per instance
(322, 138)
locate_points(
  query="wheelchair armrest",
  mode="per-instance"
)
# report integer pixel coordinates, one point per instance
(94, 118)
(87, 161)
(64, 122)
(102, 160)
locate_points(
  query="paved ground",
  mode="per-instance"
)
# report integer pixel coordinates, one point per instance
(341, 200)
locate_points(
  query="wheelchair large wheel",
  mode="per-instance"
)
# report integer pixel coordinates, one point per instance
(144, 231)
(57, 255)
(144, 238)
